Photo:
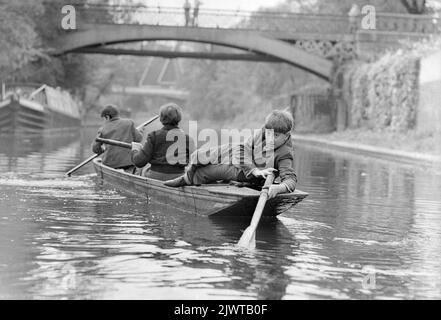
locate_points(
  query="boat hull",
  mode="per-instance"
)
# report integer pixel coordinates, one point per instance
(208, 200)
(20, 116)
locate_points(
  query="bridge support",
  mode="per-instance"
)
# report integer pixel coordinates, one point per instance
(180, 54)
(342, 113)
(341, 106)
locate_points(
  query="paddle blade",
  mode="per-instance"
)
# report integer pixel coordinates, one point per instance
(248, 239)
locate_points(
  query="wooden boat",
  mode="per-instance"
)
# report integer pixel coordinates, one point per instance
(32, 108)
(206, 200)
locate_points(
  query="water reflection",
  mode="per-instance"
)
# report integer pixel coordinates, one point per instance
(76, 239)
(369, 208)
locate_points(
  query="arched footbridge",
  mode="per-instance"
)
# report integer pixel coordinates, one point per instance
(307, 41)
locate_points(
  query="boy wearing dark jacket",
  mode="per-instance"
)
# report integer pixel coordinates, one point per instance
(117, 129)
(269, 150)
(166, 161)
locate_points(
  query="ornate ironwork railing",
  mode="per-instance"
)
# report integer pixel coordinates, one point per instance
(408, 23)
(255, 20)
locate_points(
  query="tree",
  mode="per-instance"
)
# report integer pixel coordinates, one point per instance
(415, 6)
(27, 31)
(19, 42)
(343, 6)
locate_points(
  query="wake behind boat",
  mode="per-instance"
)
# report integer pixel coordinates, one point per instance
(206, 200)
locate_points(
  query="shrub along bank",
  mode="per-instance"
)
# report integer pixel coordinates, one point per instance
(383, 94)
(382, 101)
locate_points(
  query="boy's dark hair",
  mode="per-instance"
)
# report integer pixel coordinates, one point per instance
(170, 114)
(110, 110)
(280, 121)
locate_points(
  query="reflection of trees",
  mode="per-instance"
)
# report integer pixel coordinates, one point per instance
(40, 152)
(362, 190)
(16, 253)
(384, 195)
(209, 244)
(261, 273)
(425, 237)
(368, 204)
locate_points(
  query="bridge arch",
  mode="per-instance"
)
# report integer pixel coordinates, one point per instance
(102, 34)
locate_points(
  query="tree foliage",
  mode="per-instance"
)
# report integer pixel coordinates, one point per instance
(28, 29)
(19, 42)
(343, 6)
(225, 90)
(415, 6)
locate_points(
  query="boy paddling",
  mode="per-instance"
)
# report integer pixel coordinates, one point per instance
(119, 129)
(158, 149)
(269, 150)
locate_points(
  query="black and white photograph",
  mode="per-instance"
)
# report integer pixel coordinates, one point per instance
(220, 156)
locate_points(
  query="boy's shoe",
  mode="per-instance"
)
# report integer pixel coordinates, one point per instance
(177, 182)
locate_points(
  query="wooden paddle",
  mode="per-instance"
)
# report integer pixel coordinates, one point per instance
(142, 125)
(248, 239)
(115, 143)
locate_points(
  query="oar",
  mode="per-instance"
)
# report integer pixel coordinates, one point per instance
(248, 239)
(115, 143)
(142, 125)
(81, 164)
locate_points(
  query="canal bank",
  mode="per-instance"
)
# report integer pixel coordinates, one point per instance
(328, 141)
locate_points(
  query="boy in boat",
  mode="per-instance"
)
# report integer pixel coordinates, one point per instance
(268, 150)
(117, 129)
(166, 162)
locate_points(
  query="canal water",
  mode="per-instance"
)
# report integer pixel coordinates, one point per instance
(370, 229)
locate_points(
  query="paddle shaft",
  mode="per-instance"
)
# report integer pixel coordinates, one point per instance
(248, 239)
(142, 125)
(115, 143)
(262, 201)
(81, 164)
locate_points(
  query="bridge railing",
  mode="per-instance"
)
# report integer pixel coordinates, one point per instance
(209, 18)
(255, 20)
(410, 23)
